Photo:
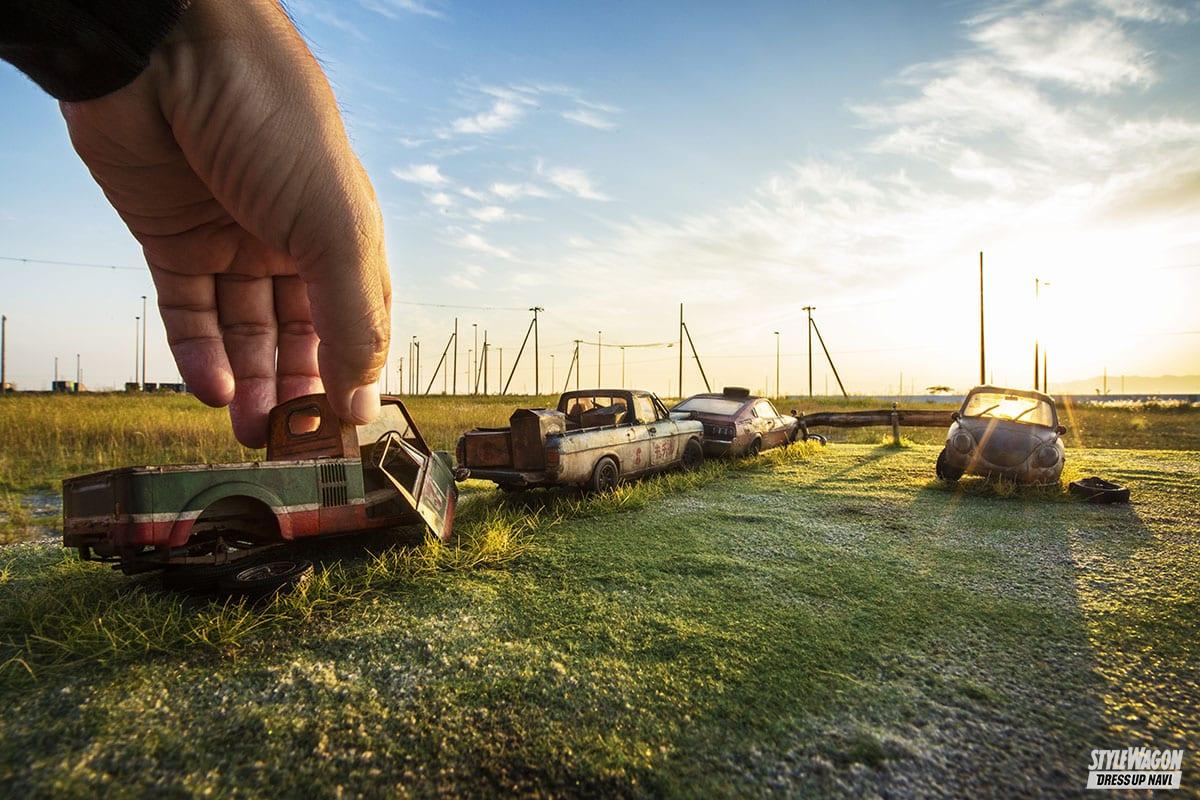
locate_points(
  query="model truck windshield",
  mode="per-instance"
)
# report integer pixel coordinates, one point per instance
(1015, 408)
(711, 405)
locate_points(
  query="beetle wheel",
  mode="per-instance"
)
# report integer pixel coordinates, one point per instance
(605, 476)
(944, 470)
(753, 449)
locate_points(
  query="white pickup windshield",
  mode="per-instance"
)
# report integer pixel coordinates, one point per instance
(710, 405)
(1010, 407)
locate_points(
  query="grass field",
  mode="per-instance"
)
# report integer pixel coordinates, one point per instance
(821, 621)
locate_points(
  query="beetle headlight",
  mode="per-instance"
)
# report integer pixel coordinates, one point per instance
(962, 442)
(1047, 456)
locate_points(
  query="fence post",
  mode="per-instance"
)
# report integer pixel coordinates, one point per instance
(895, 426)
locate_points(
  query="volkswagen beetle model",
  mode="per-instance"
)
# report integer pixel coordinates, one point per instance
(737, 423)
(1004, 433)
(593, 439)
(322, 477)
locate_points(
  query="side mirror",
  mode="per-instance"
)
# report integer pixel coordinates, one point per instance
(954, 415)
(795, 413)
(1061, 430)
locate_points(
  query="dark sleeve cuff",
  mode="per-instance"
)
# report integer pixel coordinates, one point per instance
(80, 50)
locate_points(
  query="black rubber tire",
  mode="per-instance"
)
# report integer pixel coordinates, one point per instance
(693, 456)
(605, 476)
(265, 578)
(753, 449)
(945, 471)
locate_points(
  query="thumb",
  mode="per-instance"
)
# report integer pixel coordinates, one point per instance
(349, 293)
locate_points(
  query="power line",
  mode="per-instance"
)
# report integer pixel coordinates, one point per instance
(70, 263)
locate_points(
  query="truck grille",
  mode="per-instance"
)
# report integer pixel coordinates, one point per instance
(331, 478)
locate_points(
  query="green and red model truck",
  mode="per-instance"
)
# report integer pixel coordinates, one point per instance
(322, 477)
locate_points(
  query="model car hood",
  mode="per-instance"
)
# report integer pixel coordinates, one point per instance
(1005, 443)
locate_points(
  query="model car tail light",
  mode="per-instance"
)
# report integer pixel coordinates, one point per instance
(552, 456)
(722, 432)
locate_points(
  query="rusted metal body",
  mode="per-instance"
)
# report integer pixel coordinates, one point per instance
(737, 423)
(565, 446)
(1004, 433)
(322, 477)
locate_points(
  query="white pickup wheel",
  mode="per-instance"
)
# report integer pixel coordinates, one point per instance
(604, 476)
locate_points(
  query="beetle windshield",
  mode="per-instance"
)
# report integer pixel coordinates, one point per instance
(997, 405)
(710, 405)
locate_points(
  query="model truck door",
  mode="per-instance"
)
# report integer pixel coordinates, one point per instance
(662, 430)
(420, 477)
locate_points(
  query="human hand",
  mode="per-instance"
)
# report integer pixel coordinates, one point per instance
(228, 161)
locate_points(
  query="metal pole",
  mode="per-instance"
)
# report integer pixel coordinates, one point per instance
(537, 379)
(552, 370)
(680, 384)
(1036, 309)
(778, 392)
(578, 364)
(830, 359)
(454, 372)
(137, 332)
(809, 309)
(486, 353)
(500, 372)
(3, 354)
(1045, 374)
(517, 362)
(982, 358)
(475, 363)
(417, 350)
(696, 356)
(143, 342)
(78, 371)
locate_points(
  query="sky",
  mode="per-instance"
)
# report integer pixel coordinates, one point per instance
(609, 161)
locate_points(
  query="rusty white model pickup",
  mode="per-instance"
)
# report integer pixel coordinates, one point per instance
(594, 439)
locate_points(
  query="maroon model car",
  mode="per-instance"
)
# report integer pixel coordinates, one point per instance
(737, 423)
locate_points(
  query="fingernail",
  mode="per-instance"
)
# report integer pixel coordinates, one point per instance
(364, 405)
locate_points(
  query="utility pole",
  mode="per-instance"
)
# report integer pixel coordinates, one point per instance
(3, 354)
(475, 363)
(578, 365)
(143, 342)
(454, 372)
(400, 376)
(1045, 374)
(78, 371)
(537, 382)
(552, 370)
(137, 332)
(809, 310)
(485, 361)
(500, 350)
(982, 360)
(1037, 309)
(680, 384)
(778, 393)
(56, 375)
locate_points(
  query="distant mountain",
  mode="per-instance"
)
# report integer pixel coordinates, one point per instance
(1131, 384)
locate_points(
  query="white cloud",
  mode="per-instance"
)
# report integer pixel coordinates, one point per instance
(392, 8)
(473, 241)
(502, 115)
(459, 281)
(515, 191)
(425, 174)
(574, 181)
(488, 213)
(440, 199)
(474, 194)
(589, 119)
(1092, 53)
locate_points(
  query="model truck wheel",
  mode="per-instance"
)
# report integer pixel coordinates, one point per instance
(266, 577)
(693, 455)
(604, 476)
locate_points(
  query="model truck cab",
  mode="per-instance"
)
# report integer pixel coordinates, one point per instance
(593, 438)
(322, 476)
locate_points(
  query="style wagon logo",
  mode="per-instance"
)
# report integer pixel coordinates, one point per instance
(1135, 768)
